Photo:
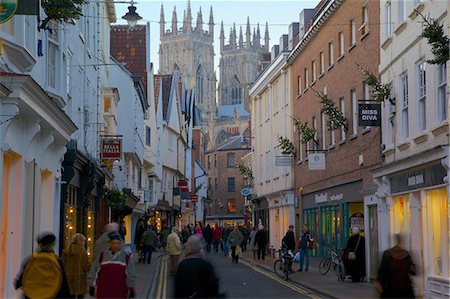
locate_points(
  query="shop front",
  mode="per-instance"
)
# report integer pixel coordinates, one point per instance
(330, 215)
(416, 206)
(281, 215)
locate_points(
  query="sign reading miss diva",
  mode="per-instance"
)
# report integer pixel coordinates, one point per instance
(369, 115)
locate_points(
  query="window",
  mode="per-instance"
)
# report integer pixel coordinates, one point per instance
(354, 112)
(231, 205)
(275, 93)
(52, 61)
(421, 95)
(391, 125)
(401, 10)
(342, 107)
(313, 71)
(199, 81)
(333, 137)
(322, 62)
(442, 98)
(259, 103)
(306, 78)
(299, 85)
(209, 162)
(341, 44)
(147, 135)
(300, 151)
(324, 130)
(404, 101)
(231, 184)
(267, 106)
(388, 20)
(330, 54)
(231, 160)
(401, 223)
(352, 33)
(365, 21)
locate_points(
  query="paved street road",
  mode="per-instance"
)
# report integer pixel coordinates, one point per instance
(237, 281)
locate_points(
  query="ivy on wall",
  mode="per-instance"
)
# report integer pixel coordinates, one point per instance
(378, 91)
(286, 146)
(62, 11)
(437, 39)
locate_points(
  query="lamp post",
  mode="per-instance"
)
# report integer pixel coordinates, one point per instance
(132, 17)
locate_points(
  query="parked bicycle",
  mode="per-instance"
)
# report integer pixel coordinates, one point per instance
(334, 259)
(283, 265)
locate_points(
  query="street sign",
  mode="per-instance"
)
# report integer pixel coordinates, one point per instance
(194, 198)
(369, 115)
(246, 191)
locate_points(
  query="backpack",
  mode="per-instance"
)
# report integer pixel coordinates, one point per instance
(42, 276)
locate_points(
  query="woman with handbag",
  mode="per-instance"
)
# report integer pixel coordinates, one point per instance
(355, 257)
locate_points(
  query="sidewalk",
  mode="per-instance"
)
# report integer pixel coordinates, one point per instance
(145, 273)
(327, 285)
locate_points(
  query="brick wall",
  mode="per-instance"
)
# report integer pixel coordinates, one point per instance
(342, 160)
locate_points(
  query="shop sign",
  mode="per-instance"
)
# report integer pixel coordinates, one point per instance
(111, 149)
(246, 191)
(7, 9)
(369, 115)
(183, 185)
(419, 178)
(316, 161)
(337, 197)
(321, 198)
(194, 198)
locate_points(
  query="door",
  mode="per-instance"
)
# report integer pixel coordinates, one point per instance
(373, 241)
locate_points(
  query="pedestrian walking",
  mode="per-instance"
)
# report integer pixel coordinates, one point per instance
(261, 242)
(244, 233)
(208, 238)
(76, 264)
(225, 233)
(253, 247)
(195, 277)
(185, 234)
(394, 275)
(199, 231)
(113, 274)
(305, 244)
(140, 229)
(173, 248)
(234, 240)
(289, 239)
(355, 257)
(164, 234)
(103, 242)
(149, 239)
(122, 230)
(42, 275)
(216, 237)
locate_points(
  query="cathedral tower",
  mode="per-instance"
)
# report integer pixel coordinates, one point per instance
(190, 50)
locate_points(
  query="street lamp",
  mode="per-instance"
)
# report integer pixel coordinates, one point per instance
(132, 17)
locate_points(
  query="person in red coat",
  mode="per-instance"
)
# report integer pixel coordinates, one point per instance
(216, 237)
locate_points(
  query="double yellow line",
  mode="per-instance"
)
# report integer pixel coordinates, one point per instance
(162, 285)
(282, 281)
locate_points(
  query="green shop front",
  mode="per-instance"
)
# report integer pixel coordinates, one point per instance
(330, 215)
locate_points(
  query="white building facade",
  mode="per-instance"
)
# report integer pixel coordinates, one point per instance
(413, 187)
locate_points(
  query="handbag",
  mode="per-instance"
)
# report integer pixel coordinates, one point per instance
(238, 250)
(352, 254)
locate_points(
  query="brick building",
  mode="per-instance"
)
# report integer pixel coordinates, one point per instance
(225, 182)
(340, 35)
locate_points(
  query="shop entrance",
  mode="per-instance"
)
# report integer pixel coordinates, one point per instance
(331, 229)
(373, 240)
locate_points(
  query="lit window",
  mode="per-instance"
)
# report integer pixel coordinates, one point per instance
(231, 205)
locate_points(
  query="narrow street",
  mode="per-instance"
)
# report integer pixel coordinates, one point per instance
(236, 281)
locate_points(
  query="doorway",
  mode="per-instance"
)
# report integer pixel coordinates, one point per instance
(373, 241)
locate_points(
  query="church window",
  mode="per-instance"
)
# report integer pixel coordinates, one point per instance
(236, 91)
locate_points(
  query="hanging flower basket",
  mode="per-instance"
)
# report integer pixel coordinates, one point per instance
(116, 199)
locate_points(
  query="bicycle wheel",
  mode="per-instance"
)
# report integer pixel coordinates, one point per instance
(340, 273)
(325, 265)
(278, 267)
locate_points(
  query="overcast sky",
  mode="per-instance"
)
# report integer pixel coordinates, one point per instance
(279, 14)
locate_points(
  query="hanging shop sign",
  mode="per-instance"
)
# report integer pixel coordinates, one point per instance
(369, 115)
(194, 198)
(183, 185)
(316, 161)
(8, 9)
(28, 7)
(284, 160)
(111, 148)
(246, 191)
(418, 178)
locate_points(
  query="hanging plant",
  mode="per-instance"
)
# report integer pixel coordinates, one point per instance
(335, 117)
(286, 146)
(379, 91)
(197, 188)
(116, 199)
(305, 133)
(437, 39)
(63, 11)
(246, 171)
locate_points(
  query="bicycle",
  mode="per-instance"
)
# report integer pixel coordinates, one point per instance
(335, 260)
(283, 265)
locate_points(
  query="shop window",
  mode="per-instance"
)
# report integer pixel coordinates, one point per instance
(90, 232)
(232, 205)
(401, 220)
(437, 232)
(70, 215)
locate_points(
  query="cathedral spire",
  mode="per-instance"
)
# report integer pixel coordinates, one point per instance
(222, 37)
(174, 21)
(266, 37)
(254, 37)
(189, 15)
(211, 23)
(248, 33)
(162, 22)
(258, 32)
(241, 38)
(199, 20)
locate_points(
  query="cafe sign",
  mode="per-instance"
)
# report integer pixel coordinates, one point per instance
(111, 149)
(369, 115)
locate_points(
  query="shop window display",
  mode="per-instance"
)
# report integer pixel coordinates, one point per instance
(401, 220)
(70, 215)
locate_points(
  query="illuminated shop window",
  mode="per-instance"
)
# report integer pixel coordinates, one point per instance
(70, 215)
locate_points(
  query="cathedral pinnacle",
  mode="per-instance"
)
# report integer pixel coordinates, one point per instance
(241, 38)
(211, 23)
(199, 20)
(174, 21)
(266, 37)
(248, 33)
(162, 22)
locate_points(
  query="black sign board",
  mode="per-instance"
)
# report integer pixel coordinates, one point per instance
(418, 178)
(369, 115)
